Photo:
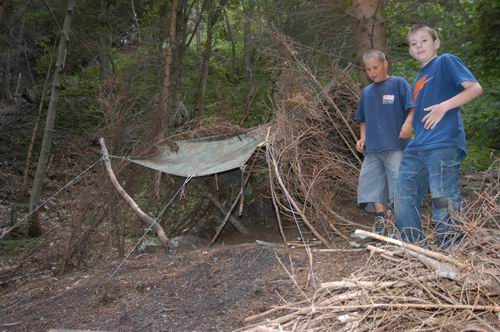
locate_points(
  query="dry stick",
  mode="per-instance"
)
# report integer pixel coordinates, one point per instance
(270, 311)
(374, 284)
(339, 250)
(142, 216)
(425, 306)
(296, 207)
(314, 308)
(333, 299)
(275, 205)
(228, 214)
(409, 246)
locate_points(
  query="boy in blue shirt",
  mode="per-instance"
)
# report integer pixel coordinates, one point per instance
(385, 116)
(433, 157)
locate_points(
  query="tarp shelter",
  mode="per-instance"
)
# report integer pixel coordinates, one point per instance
(205, 156)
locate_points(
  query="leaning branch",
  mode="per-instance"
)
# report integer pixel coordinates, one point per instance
(146, 219)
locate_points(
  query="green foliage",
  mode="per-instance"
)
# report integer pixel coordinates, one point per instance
(482, 125)
(483, 38)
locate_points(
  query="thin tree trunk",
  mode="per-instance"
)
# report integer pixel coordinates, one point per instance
(205, 61)
(197, 32)
(163, 117)
(202, 83)
(104, 42)
(231, 39)
(35, 228)
(247, 41)
(37, 123)
(7, 76)
(368, 27)
(184, 14)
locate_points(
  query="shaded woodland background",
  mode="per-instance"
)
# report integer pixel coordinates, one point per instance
(139, 71)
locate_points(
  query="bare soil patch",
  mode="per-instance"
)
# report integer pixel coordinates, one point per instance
(200, 290)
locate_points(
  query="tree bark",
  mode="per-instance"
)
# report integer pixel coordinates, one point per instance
(247, 41)
(163, 117)
(164, 106)
(35, 228)
(105, 62)
(368, 27)
(37, 123)
(233, 43)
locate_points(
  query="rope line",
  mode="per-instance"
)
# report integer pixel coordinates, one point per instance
(48, 199)
(181, 188)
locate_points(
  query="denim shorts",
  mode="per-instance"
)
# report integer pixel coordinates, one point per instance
(378, 176)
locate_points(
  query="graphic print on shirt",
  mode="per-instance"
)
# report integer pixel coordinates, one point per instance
(419, 85)
(387, 99)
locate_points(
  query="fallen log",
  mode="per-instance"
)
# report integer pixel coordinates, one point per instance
(146, 219)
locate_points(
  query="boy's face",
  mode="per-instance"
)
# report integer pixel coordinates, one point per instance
(375, 69)
(422, 47)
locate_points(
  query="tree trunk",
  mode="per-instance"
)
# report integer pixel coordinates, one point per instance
(35, 228)
(104, 42)
(163, 117)
(34, 132)
(247, 41)
(202, 83)
(164, 106)
(7, 77)
(199, 14)
(233, 44)
(5, 61)
(183, 16)
(368, 27)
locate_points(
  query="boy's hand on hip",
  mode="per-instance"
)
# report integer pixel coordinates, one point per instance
(406, 131)
(436, 113)
(360, 145)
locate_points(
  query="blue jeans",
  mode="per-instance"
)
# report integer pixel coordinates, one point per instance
(437, 170)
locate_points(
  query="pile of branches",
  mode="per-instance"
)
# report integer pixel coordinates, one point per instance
(405, 287)
(312, 144)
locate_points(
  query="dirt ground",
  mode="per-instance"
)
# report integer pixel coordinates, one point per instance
(210, 289)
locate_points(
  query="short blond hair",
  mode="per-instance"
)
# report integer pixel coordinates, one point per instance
(424, 27)
(374, 53)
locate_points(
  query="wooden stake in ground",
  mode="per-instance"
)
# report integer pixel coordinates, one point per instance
(147, 220)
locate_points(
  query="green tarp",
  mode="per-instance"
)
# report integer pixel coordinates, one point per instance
(205, 156)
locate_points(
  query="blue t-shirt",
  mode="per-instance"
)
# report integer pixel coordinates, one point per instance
(438, 81)
(383, 108)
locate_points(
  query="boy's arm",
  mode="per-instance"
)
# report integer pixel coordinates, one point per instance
(471, 91)
(407, 128)
(360, 144)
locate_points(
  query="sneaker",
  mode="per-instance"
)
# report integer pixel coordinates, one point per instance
(379, 225)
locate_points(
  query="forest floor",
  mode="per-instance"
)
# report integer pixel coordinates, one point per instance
(190, 289)
(204, 289)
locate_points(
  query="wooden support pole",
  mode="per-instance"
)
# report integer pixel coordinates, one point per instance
(146, 219)
(228, 214)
